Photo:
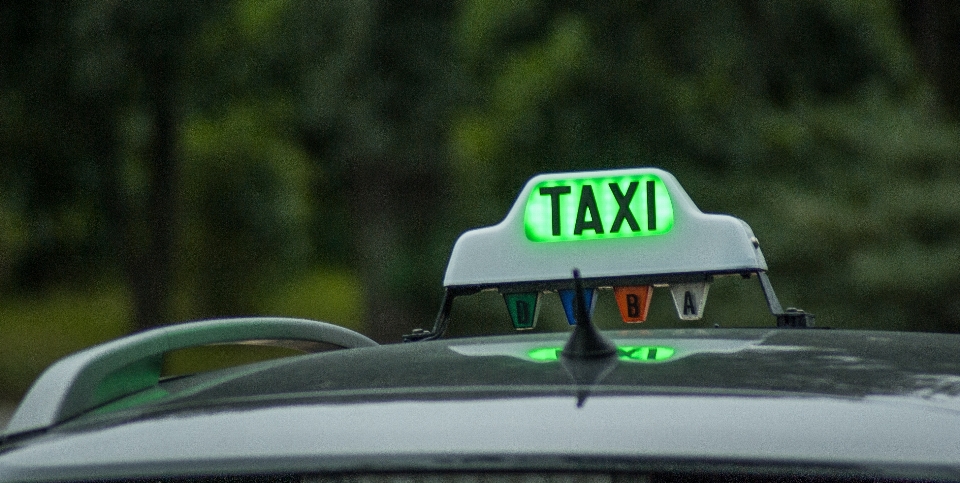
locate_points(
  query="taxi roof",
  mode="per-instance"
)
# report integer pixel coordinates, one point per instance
(839, 402)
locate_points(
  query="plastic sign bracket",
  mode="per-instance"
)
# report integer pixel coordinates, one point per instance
(443, 318)
(523, 308)
(785, 318)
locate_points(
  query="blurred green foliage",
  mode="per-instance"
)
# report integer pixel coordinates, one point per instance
(163, 162)
(38, 329)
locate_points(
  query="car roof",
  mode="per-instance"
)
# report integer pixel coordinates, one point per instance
(821, 362)
(875, 402)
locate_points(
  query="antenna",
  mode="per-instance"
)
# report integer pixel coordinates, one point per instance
(586, 342)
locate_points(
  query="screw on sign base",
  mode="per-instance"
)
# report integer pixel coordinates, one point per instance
(795, 318)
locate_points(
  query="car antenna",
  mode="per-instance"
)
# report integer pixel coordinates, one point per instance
(586, 342)
(588, 356)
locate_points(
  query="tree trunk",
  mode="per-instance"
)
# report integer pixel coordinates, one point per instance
(934, 27)
(395, 209)
(147, 234)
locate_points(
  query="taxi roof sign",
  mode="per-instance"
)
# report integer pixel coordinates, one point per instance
(628, 223)
(629, 229)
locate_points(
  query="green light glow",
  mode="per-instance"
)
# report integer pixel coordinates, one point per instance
(592, 208)
(545, 354)
(636, 353)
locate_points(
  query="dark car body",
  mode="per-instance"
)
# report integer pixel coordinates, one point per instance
(744, 403)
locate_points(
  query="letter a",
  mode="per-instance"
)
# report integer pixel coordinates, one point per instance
(588, 203)
(689, 308)
(689, 299)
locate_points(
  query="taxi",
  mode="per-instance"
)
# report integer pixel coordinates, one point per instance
(785, 401)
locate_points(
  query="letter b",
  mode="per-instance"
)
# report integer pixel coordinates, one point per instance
(633, 305)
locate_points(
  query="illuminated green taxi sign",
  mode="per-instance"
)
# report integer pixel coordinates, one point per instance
(610, 224)
(599, 207)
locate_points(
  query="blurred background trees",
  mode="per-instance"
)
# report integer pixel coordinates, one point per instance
(165, 162)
